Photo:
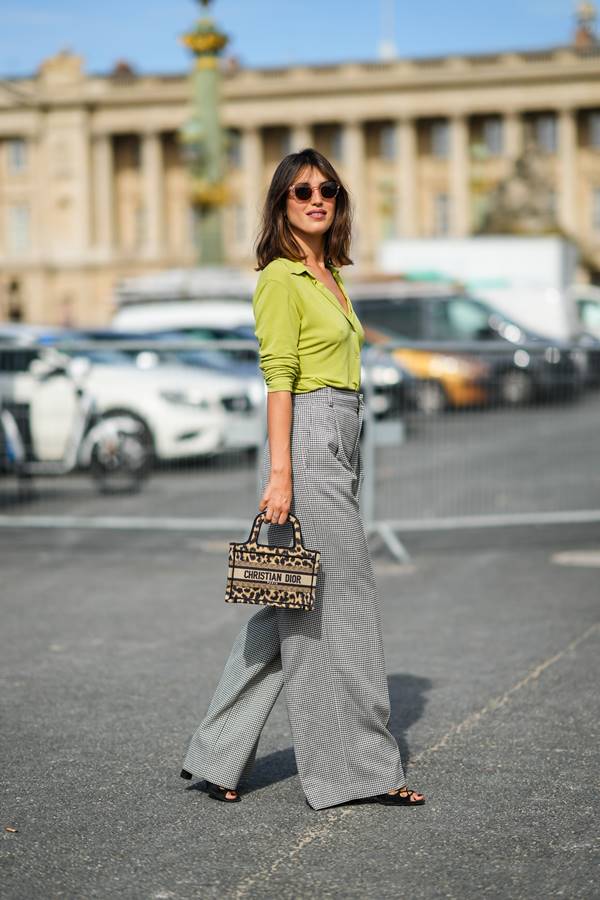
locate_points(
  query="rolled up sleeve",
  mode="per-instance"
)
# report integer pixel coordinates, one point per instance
(277, 329)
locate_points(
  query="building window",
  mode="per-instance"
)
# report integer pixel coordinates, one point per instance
(492, 135)
(239, 218)
(441, 214)
(545, 132)
(386, 209)
(387, 141)
(286, 142)
(594, 129)
(277, 141)
(440, 139)
(596, 209)
(19, 228)
(234, 149)
(140, 222)
(329, 139)
(17, 155)
(337, 143)
(193, 227)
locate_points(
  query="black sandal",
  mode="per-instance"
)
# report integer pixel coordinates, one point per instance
(403, 797)
(214, 790)
(220, 793)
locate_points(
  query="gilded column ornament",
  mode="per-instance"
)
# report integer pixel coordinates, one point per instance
(203, 141)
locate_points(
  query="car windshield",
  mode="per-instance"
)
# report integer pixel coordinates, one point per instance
(460, 318)
(103, 357)
(391, 317)
(216, 359)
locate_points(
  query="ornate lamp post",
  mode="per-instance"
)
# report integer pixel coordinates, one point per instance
(202, 140)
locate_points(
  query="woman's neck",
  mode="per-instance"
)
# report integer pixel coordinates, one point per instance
(313, 247)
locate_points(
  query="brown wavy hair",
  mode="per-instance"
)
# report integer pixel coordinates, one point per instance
(275, 237)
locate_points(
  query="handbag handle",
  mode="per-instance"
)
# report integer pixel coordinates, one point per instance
(260, 518)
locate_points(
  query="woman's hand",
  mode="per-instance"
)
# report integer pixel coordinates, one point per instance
(277, 498)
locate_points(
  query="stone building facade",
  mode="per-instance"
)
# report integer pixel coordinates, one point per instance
(93, 186)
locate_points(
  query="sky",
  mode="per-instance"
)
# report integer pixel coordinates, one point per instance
(272, 32)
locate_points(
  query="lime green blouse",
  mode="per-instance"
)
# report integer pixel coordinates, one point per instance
(306, 340)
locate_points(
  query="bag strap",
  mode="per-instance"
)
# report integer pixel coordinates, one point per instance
(260, 518)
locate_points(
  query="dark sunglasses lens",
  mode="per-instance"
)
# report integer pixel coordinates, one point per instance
(303, 191)
(329, 190)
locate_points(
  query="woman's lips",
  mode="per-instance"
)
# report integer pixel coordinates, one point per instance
(317, 214)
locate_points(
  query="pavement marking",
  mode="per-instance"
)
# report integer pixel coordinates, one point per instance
(323, 829)
(588, 558)
(314, 833)
(503, 699)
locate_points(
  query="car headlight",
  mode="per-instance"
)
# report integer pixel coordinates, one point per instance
(521, 359)
(383, 376)
(192, 399)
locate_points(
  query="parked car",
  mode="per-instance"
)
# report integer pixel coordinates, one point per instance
(155, 348)
(586, 299)
(515, 367)
(184, 411)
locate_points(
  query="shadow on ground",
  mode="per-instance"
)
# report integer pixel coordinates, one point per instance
(408, 700)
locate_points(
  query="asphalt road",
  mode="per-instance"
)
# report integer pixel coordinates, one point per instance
(110, 647)
(111, 643)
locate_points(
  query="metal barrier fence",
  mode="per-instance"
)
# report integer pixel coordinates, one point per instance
(455, 435)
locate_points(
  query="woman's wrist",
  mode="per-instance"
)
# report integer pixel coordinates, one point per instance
(281, 468)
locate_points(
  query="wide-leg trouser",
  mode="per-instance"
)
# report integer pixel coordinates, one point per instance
(331, 659)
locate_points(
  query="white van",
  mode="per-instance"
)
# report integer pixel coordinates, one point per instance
(176, 315)
(184, 298)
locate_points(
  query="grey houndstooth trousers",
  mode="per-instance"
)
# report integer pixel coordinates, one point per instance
(330, 659)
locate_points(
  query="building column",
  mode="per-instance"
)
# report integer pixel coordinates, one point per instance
(40, 213)
(300, 137)
(153, 192)
(354, 166)
(104, 202)
(84, 166)
(512, 127)
(405, 203)
(460, 211)
(253, 163)
(567, 147)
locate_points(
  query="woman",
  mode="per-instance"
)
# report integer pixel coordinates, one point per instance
(330, 659)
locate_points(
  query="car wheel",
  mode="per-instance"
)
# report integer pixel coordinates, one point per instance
(515, 388)
(430, 397)
(122, 456)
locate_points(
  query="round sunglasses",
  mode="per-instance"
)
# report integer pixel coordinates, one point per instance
(303, 190)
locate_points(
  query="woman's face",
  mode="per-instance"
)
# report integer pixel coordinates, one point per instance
(311, 217)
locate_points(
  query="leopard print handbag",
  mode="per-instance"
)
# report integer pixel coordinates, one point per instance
(273, 576)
